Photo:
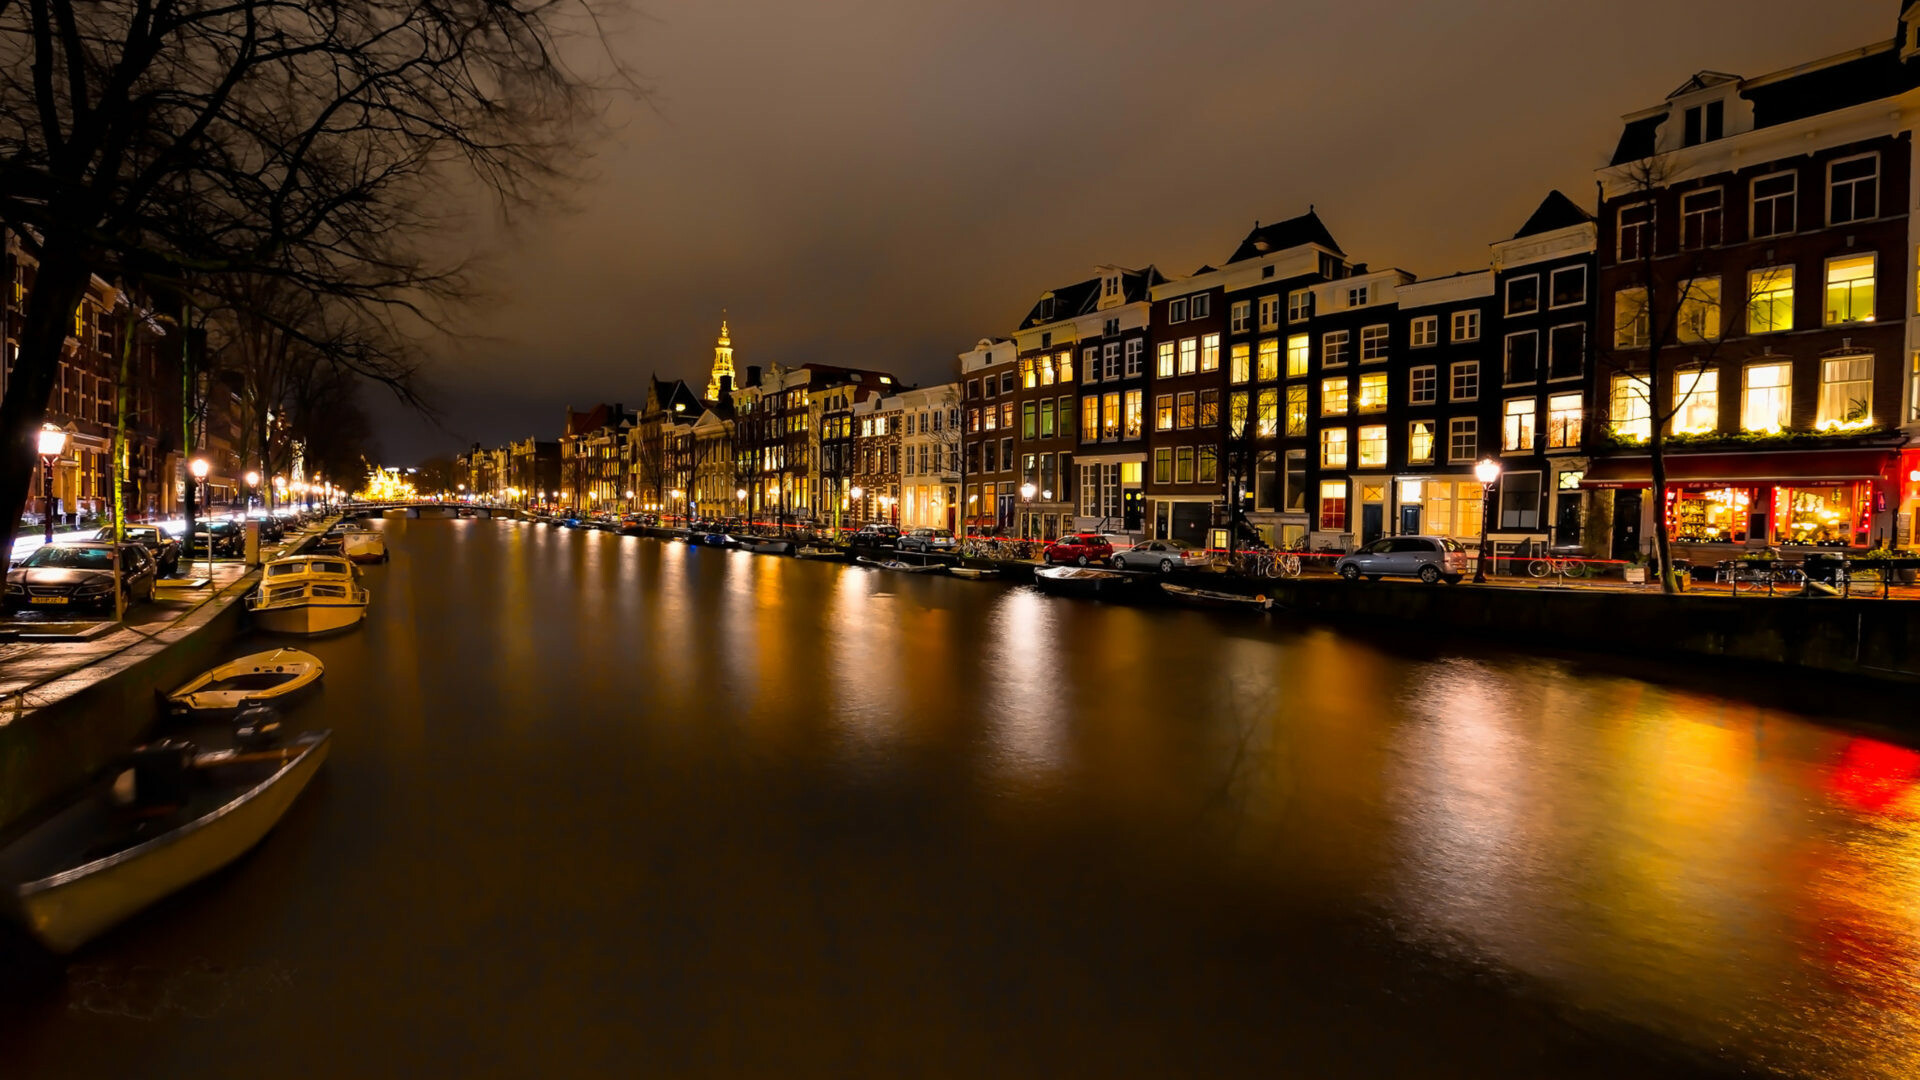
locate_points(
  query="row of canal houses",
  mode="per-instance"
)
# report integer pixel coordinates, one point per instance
(1741, 282)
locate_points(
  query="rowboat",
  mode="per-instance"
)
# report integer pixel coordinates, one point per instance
(972, 572)
(172, 819)
(267, 677)
(901, 566)
(1081, 581)
(363, 547)
(767, 547)
(811, 552)
(1212, 599)
(308, 594)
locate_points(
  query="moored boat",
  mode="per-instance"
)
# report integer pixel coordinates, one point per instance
(1081, 581)
(974, 573)
(765, 546)
(260, 679)
(902, 566)
(812, 552)
(363, 547)
(308, 594)
(1211, 598)
(148, 832)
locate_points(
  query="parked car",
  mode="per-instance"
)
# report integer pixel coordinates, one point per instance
(1429, 558)
(225, 537)
(158, 542)
(80, 575)
(1080, 549)
(929, 540)
(884, 535)
(1162, 555)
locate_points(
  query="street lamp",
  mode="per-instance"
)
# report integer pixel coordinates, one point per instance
(53, 443)
(198, 467)
(253, 483)
(1488, 473)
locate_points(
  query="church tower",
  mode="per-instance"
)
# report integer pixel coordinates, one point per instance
(722, 361)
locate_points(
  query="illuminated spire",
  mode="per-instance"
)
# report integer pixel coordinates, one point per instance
(722, 359)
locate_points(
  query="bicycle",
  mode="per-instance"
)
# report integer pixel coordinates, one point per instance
(1560, 566)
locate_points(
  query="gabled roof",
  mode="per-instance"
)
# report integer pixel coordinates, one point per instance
(1702, 80)
(1083, 297)
(1281, 235)
(676, 392)
(1556, 211)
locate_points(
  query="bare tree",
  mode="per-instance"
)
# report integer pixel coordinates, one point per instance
(1668, 323)
(166, 141)
(1240, 457)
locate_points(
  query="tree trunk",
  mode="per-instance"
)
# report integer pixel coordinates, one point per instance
(122, 390)
(1662, 547)
(58, 289)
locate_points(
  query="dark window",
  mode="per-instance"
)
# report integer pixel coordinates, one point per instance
(1523, 357)
(1569, 286)
(1691, 137)
(1716, 119)
(1523, 295)
(1773, 205)
(1567, 351)
(1202, 306)
(1520, 501)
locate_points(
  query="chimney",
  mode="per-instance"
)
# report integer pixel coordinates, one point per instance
(726, 388)
(753, 374)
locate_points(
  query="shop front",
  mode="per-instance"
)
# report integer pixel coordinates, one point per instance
(1779, 499)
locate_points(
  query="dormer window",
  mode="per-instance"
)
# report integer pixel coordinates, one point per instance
(1046, 309)
(1357, 297)
(1110, 287)
(1704, 123)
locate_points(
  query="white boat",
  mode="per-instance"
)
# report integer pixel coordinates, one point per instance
(261, 679)
(308, 594)
(903, 566)
(972, 572)
(147, 833)
(363, 546)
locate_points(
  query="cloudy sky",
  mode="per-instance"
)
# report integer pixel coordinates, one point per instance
(880, 183)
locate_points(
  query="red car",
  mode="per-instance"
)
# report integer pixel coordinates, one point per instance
(1080, 549)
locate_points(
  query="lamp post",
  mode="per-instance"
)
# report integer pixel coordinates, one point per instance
(1026, 516)
(856, 491)
(253, 483)
(1487, 471)
(53, 443)
(198, 467)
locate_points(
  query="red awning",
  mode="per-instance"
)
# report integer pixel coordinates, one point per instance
(1755, 467)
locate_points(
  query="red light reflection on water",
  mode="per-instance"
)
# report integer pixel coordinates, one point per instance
(1875, 776)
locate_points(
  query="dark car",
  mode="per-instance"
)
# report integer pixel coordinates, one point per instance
(226, 538)
(80, 575)
(158, 542)
(1080, 549)
(882, 535)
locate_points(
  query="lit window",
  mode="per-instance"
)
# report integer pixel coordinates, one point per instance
(1696, 401)
(1423, 331)
(1420, 443)
(1189, 355)
(1631, 319)
(1163, 360)
(1333, 448)
(1163, 412)
(1423, 385)
(1237, 414)
(1183, 465)
(1767, 398)
(1853, 189)
(1135, 402)
(1373, 343)
(1850, 289)
(1466, 326)
(1210, 352)
(1698, 317)
(1163, 465)
(1846, 393)
(1516, 428)
(1269, 367)
(1333, 348)
(1373, 393)
(1770, 300)
(1564, 415)
(1333, 397)
(1269, 409)
(1184, 414)
(1333, 505)
(1373, 446)
(1089, 418)
(1299, 353)
(1238, 371)
(1296, 410)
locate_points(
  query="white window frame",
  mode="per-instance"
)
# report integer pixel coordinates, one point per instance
(1241, 316)
(1433, 439)
(1374, 343)
(1136, 356)
(1688, 212)
(1423, 331)
(1431, 377)
(1506, 296)
(1466, 325)
(1823, 418)
(1453, 380)
(1506, 353)
(1552, 289)
(1547, 364)
(1561, 436)
(1826, 287)
(1328, 353)
(1360, 460)
(1269, 313)
(1515, 439)
(1456, 426)
(1791, 198)
(1878, 193)
(1746, 392)
(1357, 295)
(1651, 225)
(1299, 305)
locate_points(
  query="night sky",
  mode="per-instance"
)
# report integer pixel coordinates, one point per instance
(880, 184)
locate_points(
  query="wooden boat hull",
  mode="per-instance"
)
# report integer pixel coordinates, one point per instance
(815, 553)
(768, 547)
(972, 572)
(1209, 598)
(71, 908)
(309, 618)
(305, 669)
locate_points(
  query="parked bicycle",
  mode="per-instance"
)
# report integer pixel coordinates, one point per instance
(1561, 566)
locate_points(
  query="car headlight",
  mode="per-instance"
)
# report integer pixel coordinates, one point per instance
(14, 588)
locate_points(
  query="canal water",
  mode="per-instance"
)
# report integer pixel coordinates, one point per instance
(609, 806)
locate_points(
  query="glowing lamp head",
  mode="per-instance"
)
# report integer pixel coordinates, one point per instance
(740, 493)
(629, 493)
(253, 478)
(1487, 470)
(198, 468)
(676, 493)
(857, 491)
(53, 441)
(1026, 491)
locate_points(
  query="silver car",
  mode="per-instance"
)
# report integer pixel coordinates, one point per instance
(928, 540)
(1162, 555)
(1430, 558)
